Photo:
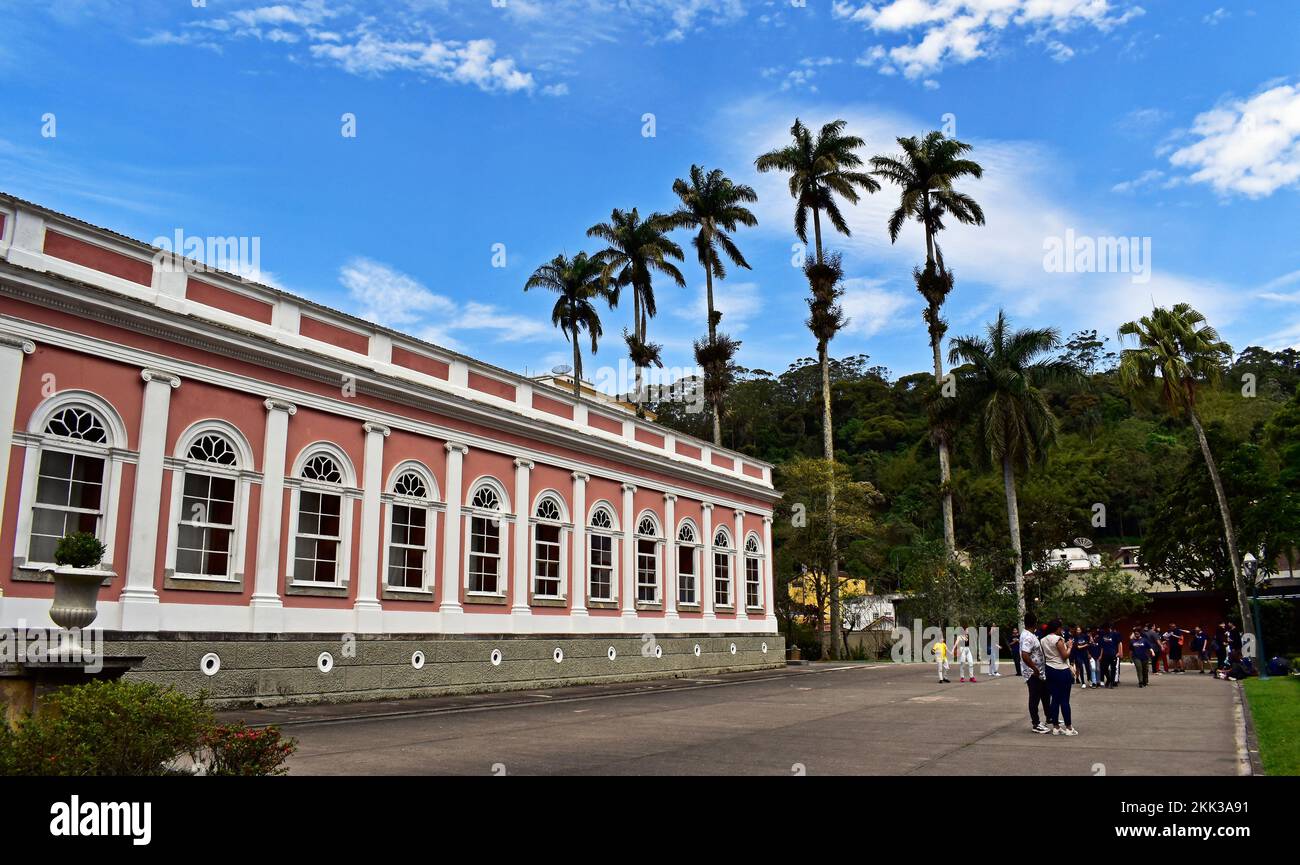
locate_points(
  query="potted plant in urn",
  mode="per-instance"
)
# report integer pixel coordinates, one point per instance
(77, 580)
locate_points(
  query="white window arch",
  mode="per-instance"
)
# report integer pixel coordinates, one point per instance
(486, 520)
(411, 505)
(648, 541)
(324, 490)
(211, 482)
(753, 572)
(689, 553)
(602, 553)
(550, 527)
(75, 446)
(722, 553)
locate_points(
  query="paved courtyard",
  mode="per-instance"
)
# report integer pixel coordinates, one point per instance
(881, 719)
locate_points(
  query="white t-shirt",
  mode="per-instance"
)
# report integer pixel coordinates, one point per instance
(1029, 644)
(1052, 652)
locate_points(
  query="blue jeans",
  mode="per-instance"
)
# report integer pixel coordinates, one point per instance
(1059, 684)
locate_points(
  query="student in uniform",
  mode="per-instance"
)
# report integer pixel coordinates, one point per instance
(1109, 653)
(1153, 637)
(1221, 645)
(1141, 650)
(1013, 643)
(1201, 646)
(1079, 656)
(993, 647)
(962, 654)
(1094, 656)
(1174, 643)
(1056, 655)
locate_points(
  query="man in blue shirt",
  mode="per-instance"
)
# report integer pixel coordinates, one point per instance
(1141, 656)
(1109, 654)
(1201, 646)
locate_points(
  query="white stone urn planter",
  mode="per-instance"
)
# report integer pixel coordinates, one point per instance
(76, 596)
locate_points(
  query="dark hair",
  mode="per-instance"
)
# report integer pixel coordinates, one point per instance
(1054, 626)
(1030, 620)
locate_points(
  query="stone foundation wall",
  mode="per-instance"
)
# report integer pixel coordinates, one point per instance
(268, 670)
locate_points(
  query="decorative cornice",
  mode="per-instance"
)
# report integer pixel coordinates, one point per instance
(167, 378)
(280, 405)
(371, 427)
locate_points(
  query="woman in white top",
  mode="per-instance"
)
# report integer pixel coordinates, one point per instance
(1060, 681)
(962, 654)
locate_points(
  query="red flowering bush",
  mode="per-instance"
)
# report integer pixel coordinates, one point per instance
(237, 749)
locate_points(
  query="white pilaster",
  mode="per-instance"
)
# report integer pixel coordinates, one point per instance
(578, 560)
(139, 599)
(267, 608)
(369, 612)
(523, 477)
(12, 350)
(629, 552)
(450, 608)
(769, 578)
(706, 590)
(741, 592)
(670, 556)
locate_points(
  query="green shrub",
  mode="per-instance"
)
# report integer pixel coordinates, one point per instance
(108, 728)
(235, 749)
(80, 550)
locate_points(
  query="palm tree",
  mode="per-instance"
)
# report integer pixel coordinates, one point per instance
(998, 392)
(821, 169)
(579, 282)
(1177, 348)
(637, 248)
(924, 174)
(714, 206)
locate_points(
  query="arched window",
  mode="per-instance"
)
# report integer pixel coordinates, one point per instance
(547, 548)
(322, 517)
(688, 551)
(753, 572)
(410, 530)
(205, 539)
(601, 533)
(721, 569)
(71, 479)
(486, 532)
(647, 560)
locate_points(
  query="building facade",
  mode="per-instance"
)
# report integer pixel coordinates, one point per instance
(266, 471)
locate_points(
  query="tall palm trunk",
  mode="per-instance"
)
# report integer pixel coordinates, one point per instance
(1013, 522)
(945, 462)
(636, 361)
(713, 339)
(1229, 533)
(577, 366)
(828, 449)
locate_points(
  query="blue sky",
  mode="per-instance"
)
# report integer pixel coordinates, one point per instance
(521, 123)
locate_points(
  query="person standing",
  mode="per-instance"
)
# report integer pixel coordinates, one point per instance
(962, 654)
(1153, 637)
(1079, 655)
(941, 659)
(1141, 650)
(1032, 671)
(1013, 643)
(1094, 656)
(1221, 644)
(1056, 655)
(1174, 645)
(1201, 646)
(1109, 651)
(992, 645)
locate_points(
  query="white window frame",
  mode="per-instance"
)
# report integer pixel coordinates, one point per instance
(657, 543)
(694, 548)
(504, 519)
(564, 542)
(728, 551)
(433, 505)
(348, 494)
(615, 535)
(755, 556)
(243, 475)
(35, 441)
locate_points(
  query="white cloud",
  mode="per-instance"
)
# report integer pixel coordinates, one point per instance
(937, 32)
(387, 296)
(871, 308)
(1144, 180)
(473, 62)
(1248, 146)
(739, 302)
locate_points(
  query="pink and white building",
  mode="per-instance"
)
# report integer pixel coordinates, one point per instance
(257, 463)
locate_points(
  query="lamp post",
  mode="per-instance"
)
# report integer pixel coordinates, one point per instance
(1251, 565)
